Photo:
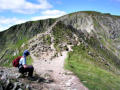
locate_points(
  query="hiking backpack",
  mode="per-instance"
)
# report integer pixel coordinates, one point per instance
(15, 62)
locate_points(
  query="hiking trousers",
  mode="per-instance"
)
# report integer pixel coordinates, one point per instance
(28, 69)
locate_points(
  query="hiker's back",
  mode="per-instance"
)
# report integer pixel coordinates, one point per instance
(15, 62)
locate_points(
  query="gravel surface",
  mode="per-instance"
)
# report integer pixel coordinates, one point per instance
(63, 79)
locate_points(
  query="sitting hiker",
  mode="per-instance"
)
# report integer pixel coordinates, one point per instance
(23, 67)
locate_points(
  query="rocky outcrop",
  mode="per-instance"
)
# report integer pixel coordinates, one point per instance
(10, 79)
(40, 45)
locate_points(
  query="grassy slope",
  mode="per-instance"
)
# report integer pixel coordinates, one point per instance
(93, 76)
(62, 34)
(17, 46)
(16, 37)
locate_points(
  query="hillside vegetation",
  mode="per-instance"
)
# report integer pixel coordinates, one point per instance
(14, 40)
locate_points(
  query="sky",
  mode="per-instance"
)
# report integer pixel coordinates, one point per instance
(19, 11)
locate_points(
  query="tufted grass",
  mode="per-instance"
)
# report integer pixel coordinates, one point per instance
(90, 74)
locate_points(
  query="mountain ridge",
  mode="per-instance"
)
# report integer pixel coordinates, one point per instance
(93, 37)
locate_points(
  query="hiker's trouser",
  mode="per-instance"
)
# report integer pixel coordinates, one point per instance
(28, 69)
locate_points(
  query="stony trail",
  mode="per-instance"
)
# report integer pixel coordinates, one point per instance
(63, 79)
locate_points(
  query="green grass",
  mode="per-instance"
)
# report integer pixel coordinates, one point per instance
(105, 52)
(20, 42)
(47, 39)
(11, 58)
(61, 34)
(29, 60)
(90, 74)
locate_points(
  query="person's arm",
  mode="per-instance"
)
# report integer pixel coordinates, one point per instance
(25, 66)
(24, 63)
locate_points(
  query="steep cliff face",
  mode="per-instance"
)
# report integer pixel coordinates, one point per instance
(103, 28)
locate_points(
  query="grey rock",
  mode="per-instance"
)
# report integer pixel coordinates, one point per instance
(1, 88)
(28, 87)
(4, 76)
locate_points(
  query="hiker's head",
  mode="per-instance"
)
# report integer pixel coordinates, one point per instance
(26, 53)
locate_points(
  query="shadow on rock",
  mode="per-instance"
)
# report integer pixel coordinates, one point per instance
(43, 79)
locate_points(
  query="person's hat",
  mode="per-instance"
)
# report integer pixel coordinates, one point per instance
(26, 53)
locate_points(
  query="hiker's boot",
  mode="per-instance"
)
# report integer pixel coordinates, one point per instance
(31, 78)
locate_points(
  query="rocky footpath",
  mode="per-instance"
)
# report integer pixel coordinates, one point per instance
(63, 79)
(42, 44)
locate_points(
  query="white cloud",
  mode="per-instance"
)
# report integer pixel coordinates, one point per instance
(2, 28)
(23, 6)
(53, 12)
(49, 14)
(42, 17)
(5, 23)
(11, 20)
